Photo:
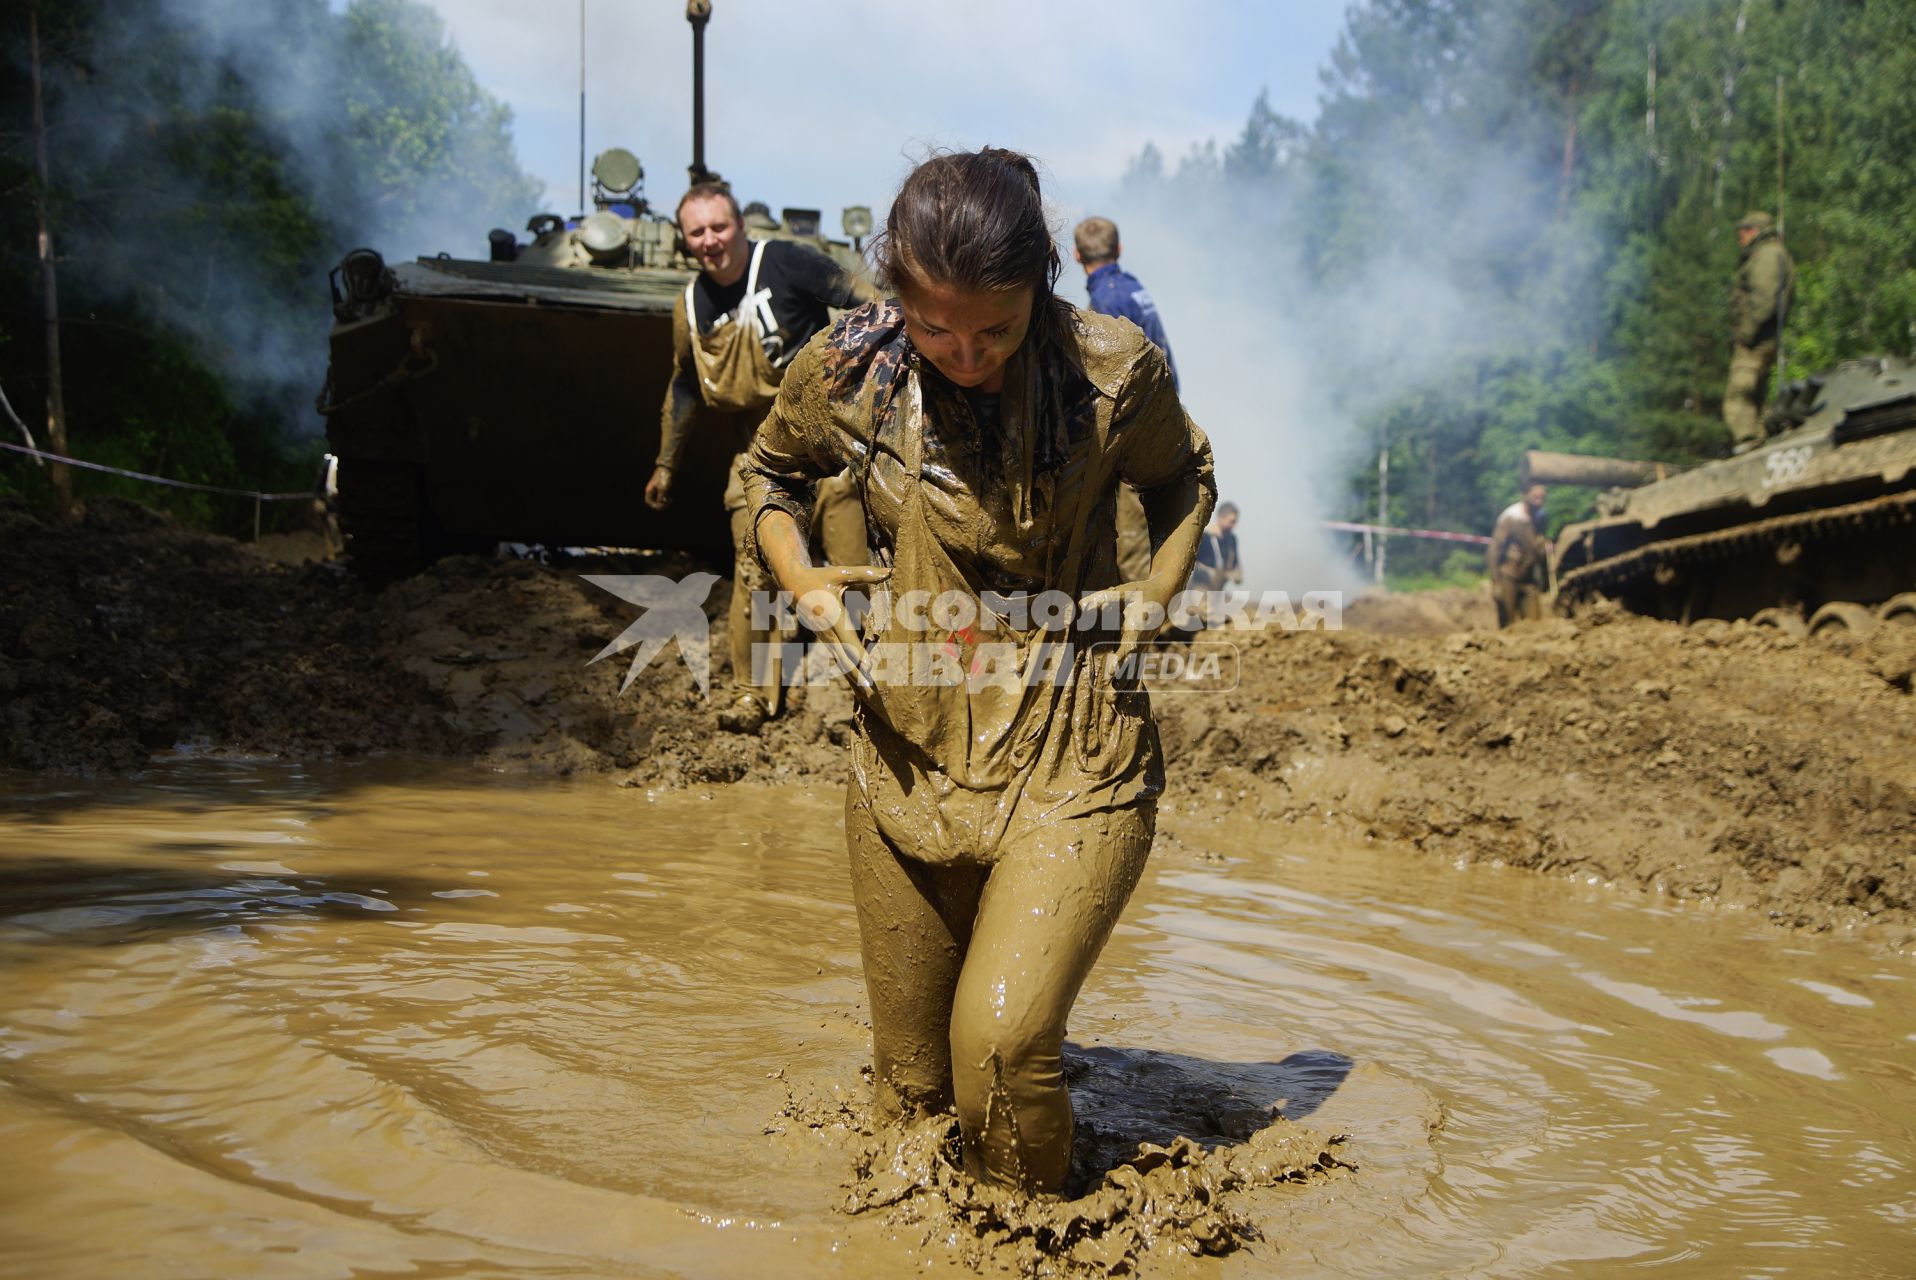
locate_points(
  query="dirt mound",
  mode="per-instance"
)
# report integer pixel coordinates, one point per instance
(1422, 613)
(124, 634)
(300, 547)
(1714, 761)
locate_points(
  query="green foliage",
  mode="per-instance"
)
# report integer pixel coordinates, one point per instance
(1267, 148)
(427, 140)
(1460, 568)
(209, 164)
(1577, 169)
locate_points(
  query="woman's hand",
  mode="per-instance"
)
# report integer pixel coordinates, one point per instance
(1139, 608)
(817, 590)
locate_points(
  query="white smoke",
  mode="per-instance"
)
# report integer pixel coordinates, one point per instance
(181, 249)
(1280, 365)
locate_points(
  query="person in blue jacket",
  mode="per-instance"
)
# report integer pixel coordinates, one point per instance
(1116, 292)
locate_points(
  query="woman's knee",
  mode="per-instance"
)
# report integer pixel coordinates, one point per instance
(991, 1060)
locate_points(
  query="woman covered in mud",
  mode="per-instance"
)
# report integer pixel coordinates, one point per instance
(997, 824)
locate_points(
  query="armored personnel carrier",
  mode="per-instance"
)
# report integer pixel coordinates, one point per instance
(1812, 532)
(515, 397)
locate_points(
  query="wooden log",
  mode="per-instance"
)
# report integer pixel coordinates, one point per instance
(1579, 470)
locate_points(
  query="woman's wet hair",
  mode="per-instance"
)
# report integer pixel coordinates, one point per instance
(975, 221)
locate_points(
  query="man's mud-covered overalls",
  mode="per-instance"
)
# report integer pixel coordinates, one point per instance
(736, 377)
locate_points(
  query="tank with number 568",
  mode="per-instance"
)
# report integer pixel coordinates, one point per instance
(1813, 532)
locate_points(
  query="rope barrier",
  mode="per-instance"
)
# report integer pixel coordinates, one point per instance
(26, 432)
(141, 475)
(256, 495)
(1440, 535)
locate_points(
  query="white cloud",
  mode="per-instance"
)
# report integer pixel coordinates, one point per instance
(825, 104)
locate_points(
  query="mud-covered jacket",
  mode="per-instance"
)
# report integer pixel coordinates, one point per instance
(1517, 546)
(993, 491)
(1761, 296)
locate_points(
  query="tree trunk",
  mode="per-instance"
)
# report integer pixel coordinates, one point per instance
(1650, 107)
(1430, 483)
(1569, 149)
(50, 292)
(1730, 72)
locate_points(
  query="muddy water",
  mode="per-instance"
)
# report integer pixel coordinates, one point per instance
(259, 1021)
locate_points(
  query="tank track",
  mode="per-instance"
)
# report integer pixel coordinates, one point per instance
(1619, 574)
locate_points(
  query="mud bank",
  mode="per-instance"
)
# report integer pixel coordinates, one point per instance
(1710, 762)
(123, 635)
(1713, 762)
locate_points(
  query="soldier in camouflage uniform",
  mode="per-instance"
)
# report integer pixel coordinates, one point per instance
(1758, 304)
(1517, 555)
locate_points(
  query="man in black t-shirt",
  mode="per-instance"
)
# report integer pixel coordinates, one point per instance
(795, 287)
(750, 309)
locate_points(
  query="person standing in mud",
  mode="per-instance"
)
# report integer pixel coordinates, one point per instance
(750, 309)
(1217, 563)
(1516, 559)
(1116, 292)
(1759, 301)
(996, 828)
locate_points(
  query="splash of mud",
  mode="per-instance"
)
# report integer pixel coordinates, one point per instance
(1178, 1198)
(1174, 1197)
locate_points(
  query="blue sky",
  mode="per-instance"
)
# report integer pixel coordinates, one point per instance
(825, 103)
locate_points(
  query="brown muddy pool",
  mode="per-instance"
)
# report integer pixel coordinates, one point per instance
(393, 1019)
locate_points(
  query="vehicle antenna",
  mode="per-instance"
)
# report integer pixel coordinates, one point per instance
(581, 108)
(698, 13)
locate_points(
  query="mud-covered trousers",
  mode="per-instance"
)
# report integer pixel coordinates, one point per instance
(1744, 393)
(972, 970)
(1518, 600)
